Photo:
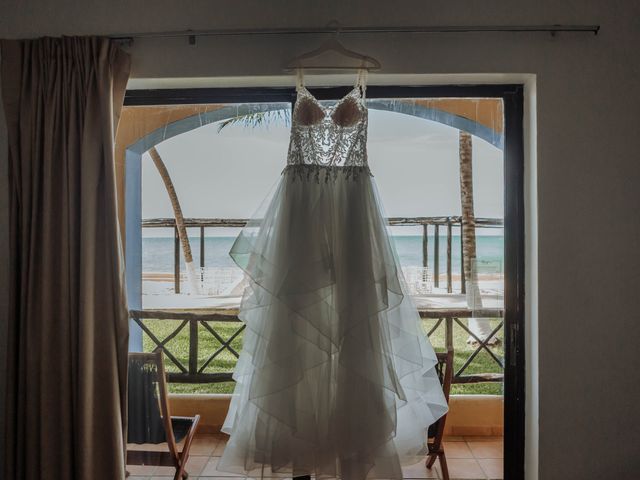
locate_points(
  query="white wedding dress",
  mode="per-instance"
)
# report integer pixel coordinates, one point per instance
(336, 377)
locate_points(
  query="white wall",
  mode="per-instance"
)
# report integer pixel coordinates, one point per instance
(587, 98)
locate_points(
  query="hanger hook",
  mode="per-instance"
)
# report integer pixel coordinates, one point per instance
(336, 26)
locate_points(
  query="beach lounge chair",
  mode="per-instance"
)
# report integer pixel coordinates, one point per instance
(149, 416)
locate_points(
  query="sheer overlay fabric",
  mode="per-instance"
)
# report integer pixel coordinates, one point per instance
(336, 377)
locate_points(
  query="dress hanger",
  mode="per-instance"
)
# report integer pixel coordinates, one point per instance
(332, 55)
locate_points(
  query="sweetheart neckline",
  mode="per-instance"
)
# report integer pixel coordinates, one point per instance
(331, 107)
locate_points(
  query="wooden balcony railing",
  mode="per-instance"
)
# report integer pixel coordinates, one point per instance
(195, 370)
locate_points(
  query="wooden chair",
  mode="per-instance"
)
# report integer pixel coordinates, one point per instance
(149, 417)
(444, 367)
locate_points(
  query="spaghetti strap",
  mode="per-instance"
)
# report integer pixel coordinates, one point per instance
(299, 79)
(361, 81)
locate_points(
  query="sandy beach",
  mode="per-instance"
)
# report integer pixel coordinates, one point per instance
(223, 289)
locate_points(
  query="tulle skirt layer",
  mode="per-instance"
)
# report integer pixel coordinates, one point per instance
(336, 377)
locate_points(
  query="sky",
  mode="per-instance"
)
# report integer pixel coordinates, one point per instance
(229, 173)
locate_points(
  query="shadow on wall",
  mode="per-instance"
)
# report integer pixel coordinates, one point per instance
(4, 269)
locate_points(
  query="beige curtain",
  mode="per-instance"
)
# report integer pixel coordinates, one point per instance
(67, 326)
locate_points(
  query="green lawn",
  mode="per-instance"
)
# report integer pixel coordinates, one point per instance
(225, 361)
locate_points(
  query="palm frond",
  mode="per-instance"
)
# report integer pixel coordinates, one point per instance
(258, 119)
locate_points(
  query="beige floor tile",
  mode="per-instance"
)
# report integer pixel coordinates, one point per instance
(493, 467)
(483, 438)
(419, 470)
(468, 458)
(486, 449)
(465, 468)
(204, 444)
(210, 469)
(220, 446)
(164, 472)
(268, 477)
(141, 470)
(149, 447)
(457, 450)
(195, 465)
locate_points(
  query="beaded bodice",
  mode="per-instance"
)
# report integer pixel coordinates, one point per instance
(334, 136)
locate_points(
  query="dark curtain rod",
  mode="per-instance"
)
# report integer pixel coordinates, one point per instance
(193, 34)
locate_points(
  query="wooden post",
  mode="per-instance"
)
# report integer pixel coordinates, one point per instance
(449, 277)
(202, 253)
(425, 246)
(193, 346)
(463, 281)
(436, 256)
(176, 260)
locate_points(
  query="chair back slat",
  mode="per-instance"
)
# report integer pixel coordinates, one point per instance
(149, 417)
(145, 423)
(164, 404)
(444, 369)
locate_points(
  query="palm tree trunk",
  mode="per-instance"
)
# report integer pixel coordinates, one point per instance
(192, 274)
(480, 327)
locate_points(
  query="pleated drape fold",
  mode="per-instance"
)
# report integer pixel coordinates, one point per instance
(68, 322)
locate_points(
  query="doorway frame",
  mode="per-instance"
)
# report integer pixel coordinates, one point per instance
(512, 96)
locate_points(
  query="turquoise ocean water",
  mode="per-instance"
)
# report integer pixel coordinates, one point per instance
(157, 252)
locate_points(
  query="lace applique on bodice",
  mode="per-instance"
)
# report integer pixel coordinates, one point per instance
(326, 137)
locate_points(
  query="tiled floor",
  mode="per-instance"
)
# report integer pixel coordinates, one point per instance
(468, 458)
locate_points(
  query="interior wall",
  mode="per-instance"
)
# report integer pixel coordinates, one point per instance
(4, 271)
(586, 197)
